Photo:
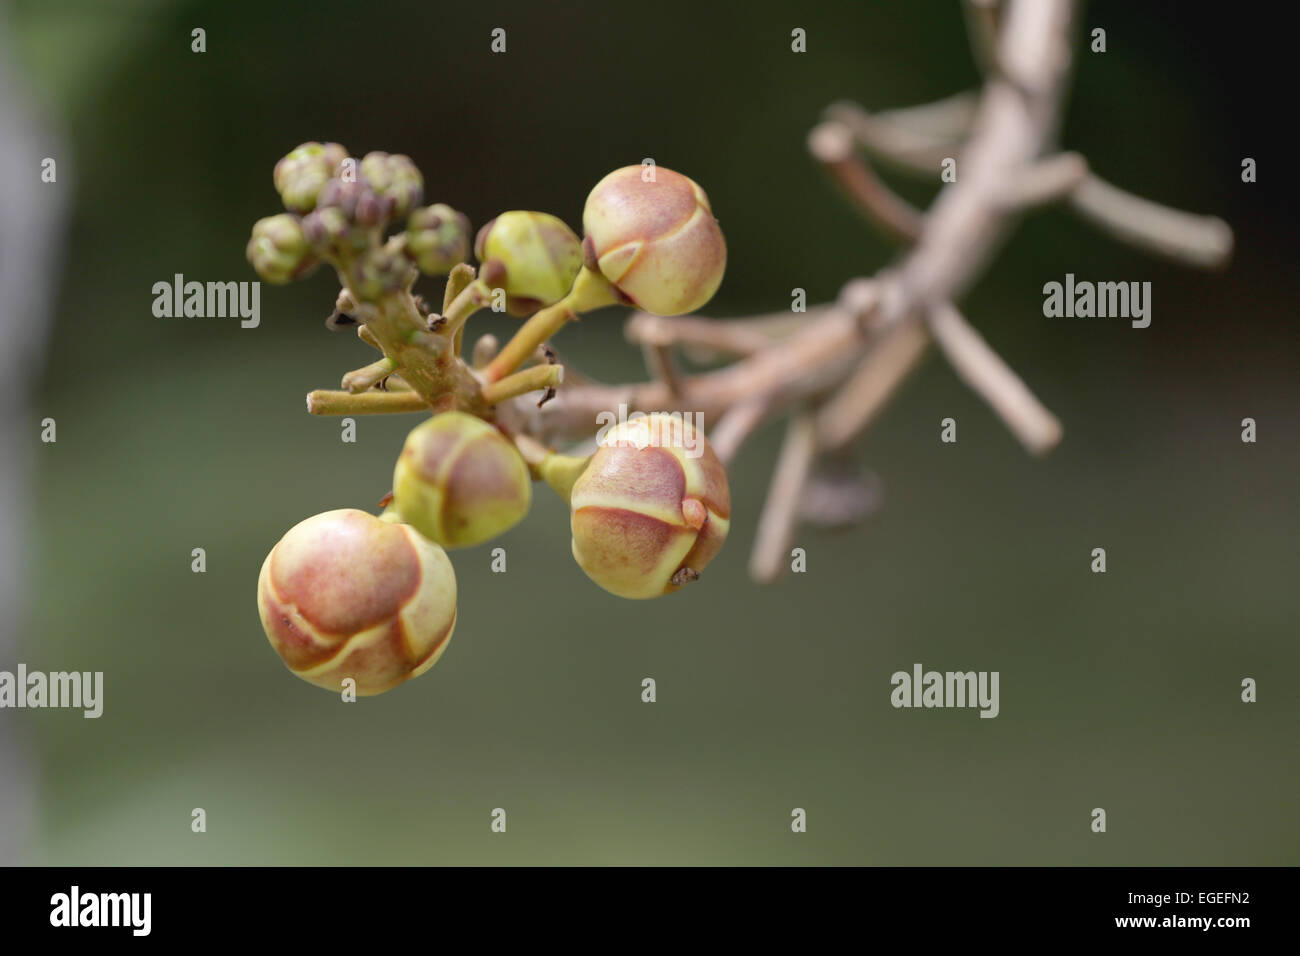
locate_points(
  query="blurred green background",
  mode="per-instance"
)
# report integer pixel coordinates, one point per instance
(1118, 691)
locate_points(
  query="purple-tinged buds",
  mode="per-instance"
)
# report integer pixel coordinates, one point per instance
(437, 239)
(328, 230)
(396, 178)
(300, 176)
(377, 273)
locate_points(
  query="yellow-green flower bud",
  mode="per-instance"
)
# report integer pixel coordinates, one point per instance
(344, 594)
(540, 253)
(651, 509)
(395, 177)
(655, 238)
(437, 239)
(459, 482)
(300, 176)
(278, 250)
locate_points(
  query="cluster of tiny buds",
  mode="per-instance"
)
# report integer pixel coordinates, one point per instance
(338, 210)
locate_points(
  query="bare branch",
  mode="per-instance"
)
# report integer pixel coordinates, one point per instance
(831, 144)
(1198, 240)
(708, 338)
(810, 362)
(886, 366)
(735, 426)
(984, 371)
(662, 365)
(1048, 180)
(780, 517)
(916, 139)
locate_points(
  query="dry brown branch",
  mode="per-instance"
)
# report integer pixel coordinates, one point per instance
(884, 368)
(1189, 238)
(984, 371)
(735, 426)
(831, 144)
(713, 338)
(662, 366)
(780, 517)
(1204, 241)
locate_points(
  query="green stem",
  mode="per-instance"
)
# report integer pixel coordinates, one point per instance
(521, 383)
(358, 380)
(561, 472)
(590, 291)
(473, 297)
(327, 402)
(460, 276)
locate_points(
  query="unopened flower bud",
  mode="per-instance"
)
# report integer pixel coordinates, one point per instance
(540, 253)
(372, 209)
(394, 177)
(651, 509)
(328, 230)
(300, 176)
(278, 250)
(459, 482)
(656, 240)
(356, 201)
(437, 238)
(344, 594)
(377, 273)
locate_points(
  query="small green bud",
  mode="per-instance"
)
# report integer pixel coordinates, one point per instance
(656, 239)
(459, 482)
(278, 250)
(437, 239)
(300, 176)
(540, 253)
(394, 177)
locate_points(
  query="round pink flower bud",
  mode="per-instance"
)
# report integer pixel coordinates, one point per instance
(651, 509)
(345, 594)
(655, 238)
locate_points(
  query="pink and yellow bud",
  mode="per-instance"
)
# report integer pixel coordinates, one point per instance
(459, 482)
(346, 595)
(651, 509)
(652, 234)
(540, 253)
